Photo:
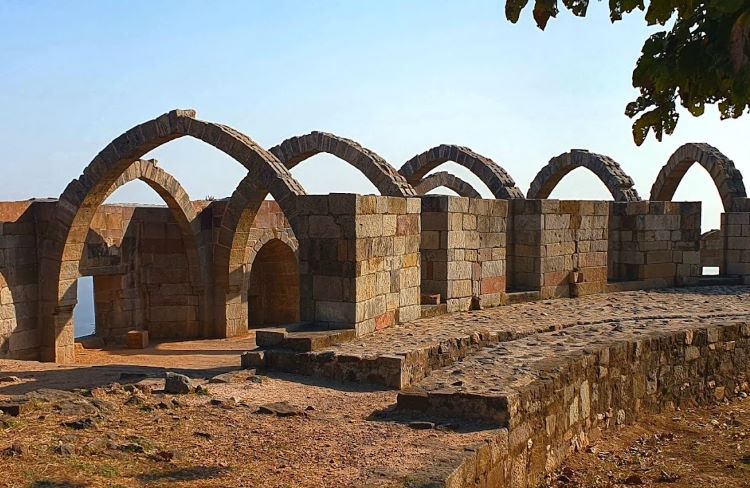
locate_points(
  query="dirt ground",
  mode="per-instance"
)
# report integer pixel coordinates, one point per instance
(335, 436)
(706, 447)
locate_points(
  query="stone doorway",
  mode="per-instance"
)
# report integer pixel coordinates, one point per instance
(273, 289)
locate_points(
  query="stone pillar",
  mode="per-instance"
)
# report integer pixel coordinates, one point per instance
(359, 260)
(658, 242)
(558, 248)
(463, 250)
(735, 238)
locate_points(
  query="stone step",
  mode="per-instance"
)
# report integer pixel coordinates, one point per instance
(522, 296)
(434, 310)
(719, 280)
(302, 337)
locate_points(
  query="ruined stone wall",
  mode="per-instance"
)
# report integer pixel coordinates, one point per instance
(18, 281)
(655, 241)
(558, 248)
(359, 260)
(463, 246)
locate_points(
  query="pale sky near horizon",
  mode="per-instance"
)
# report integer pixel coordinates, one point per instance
(397, 76)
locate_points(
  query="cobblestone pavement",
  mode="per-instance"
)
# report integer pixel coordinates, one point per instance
(529, 318)
(502, 369)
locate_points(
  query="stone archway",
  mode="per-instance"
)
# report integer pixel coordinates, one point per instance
(386, 179)
(184, 215)
(446, 180)
(66, 232)
(495, 177)
(726, 176)
(234, 250)
(619, 184)
(273, 283)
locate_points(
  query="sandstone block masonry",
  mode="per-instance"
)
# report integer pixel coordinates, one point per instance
(463, 245)
(558, 247)
(655, 241)
(359, 260)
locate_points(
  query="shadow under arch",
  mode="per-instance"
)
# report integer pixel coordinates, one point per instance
(272, 283)
(65, 236)
(619, 184)
(381, 174)
(725, 175)
(493, 175)
(446, 180)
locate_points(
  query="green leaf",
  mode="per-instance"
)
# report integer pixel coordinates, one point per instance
(513, 9)
(543, 10)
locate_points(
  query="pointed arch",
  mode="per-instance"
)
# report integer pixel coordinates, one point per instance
(386, 179)
(493, 175)
(619, 184)
(184, 214)
(65, 236)
(726, 176)
(446, 180)
(231, 259)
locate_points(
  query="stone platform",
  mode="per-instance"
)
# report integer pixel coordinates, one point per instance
(401, 356)
(553, 393)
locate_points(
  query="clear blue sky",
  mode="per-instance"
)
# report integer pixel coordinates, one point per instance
(398, 76)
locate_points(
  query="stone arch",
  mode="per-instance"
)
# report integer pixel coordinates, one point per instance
(386, 179)
(184, 214)
(726, 177)
(493, 175)
(65, 235)
(274, 265)
(446, 180)
(619, 184)
(232, 256)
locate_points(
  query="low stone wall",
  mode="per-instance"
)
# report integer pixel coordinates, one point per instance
(655, 241)
(564, 399)
(463, 245)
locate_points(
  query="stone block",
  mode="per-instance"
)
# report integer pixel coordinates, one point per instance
(137, 339)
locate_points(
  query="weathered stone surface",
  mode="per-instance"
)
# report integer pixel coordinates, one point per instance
(176, 383)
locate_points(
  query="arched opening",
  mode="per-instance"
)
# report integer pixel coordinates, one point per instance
(273, 286)
(381, 174)
(696, 186)
(348, 178)
(580, 184)
(139, 268)
(450, 183)
(490, 173)
(65, 236)
(618, 184)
